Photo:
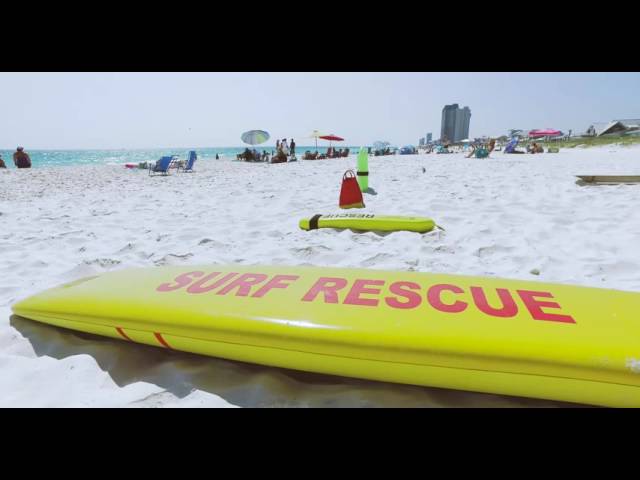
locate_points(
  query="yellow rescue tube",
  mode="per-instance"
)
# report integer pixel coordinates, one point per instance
(491, 335)
(368, 222)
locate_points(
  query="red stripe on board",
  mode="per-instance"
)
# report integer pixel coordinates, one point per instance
(162, 340)
(122, 334)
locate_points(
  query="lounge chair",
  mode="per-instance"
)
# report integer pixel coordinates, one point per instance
(511, 146)
(191, 160)
(161, 166)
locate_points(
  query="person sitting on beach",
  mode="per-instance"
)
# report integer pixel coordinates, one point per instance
(2, 164)
(280, 157)
(472, 150)
(21, 158)
(533, 148)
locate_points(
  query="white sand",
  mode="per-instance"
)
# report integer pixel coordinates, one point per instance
(503, 217)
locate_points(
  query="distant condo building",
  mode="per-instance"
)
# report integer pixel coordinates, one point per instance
(455, 123)
(429, 138)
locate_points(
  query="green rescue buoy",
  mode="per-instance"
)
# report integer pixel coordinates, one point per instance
(363, 169)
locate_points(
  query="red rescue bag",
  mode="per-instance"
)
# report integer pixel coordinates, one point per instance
(350, 193)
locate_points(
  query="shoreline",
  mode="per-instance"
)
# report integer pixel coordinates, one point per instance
(507, 216)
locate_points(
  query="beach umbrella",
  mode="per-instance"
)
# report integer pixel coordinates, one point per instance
(380, 146)
(332, 138)
(547, 132)
(316, 134)
(255, 137)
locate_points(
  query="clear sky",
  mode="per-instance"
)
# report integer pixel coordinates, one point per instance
(145, 110)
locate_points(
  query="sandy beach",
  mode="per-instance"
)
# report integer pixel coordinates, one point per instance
(511, 216)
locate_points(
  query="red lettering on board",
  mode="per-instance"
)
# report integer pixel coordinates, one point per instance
(200, 287)
(359, 288)
(433, 295)
(327, 285)
(275, 282)
(181, 280)
(244, 283)
(399, 288)
(535, 307)
(509, 307)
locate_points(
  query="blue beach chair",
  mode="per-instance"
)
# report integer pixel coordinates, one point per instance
(511, 146)
(191, 160)
(161, 166)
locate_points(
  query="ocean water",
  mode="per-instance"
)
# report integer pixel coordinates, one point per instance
(63, 158)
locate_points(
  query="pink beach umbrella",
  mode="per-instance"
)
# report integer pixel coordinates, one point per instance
(547, 132)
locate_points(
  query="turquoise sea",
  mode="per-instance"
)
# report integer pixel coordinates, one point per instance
(62, 158)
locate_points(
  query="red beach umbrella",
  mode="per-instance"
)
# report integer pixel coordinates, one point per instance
(332, 138)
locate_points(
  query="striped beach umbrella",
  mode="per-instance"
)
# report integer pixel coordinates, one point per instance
(255, 137)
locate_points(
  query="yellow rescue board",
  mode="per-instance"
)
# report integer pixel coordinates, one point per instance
(490, 335)
(369, 222)
(610, 179)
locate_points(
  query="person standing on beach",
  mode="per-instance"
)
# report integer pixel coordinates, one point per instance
(21, 158)
(292, 147)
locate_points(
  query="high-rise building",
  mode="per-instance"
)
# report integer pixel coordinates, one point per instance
(455, 123)
(429, 138)
(421, 141)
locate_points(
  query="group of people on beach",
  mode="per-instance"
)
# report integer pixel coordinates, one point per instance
(533, 148)
(253, 155)
(331, 153)
(283, 152)
(21, 159)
